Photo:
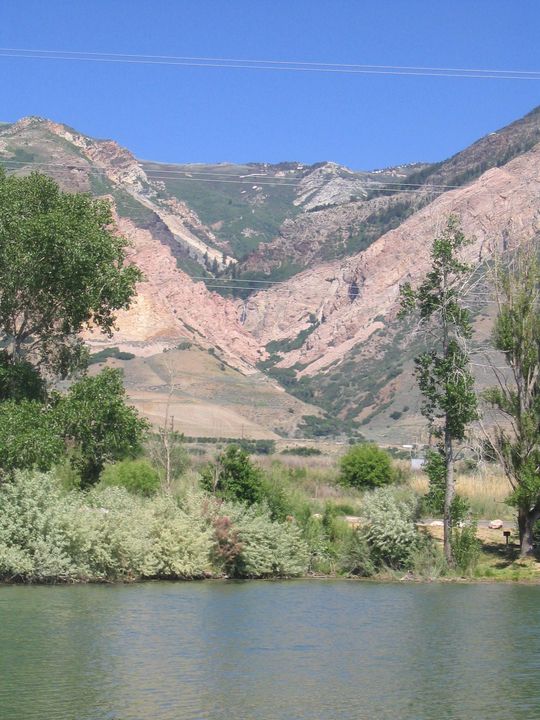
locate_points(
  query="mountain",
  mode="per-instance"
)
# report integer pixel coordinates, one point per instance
(328, 247)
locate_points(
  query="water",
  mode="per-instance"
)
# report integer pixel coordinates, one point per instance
(270, 651)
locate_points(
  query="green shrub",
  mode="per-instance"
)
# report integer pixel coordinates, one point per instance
(258, 447)
(29, 436)
(234, 477)
(184, 345)
(19, 380)
(356, 556)
(390, 529)
(366, 466)
(94, 417)
(267, 549)
(136, 476)
(465, 548)
(181, 542)
(105, 354)
(33, 543)
(47, 535)
(427, 559)
(302, 450)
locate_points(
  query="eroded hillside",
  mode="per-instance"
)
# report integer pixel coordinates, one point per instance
(340, 243)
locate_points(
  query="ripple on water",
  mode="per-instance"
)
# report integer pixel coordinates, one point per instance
(271, 651)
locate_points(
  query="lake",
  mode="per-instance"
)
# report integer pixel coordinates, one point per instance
(296, 650)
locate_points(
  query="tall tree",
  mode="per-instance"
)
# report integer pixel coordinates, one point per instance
(442, 370)
(62, 267)
(515, 435)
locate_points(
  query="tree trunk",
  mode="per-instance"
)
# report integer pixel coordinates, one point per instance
(450, 491)
(526, 522)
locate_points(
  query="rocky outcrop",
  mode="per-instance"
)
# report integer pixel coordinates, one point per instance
(329, 184)
(325, 234)
(351, 299)
(170, 306)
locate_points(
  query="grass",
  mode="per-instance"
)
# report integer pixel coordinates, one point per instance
(486, 491)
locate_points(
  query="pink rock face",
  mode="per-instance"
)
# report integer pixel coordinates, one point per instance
(343, 303)
(350, 297)
(170, 306)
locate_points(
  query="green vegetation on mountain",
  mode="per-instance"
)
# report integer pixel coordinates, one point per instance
(228, 199)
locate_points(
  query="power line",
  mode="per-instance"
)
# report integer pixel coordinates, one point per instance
(272, 65)
(386, 185)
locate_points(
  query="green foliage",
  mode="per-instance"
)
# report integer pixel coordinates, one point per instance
(287, 345)
(448, 389)
(301, 450)
(390, 529)
(427, 561)
(112, 352)
(258, 447)
(267, 549)
(443, 370)
(95, 419)
(465, 547)
(234, 477)
(516, 440)
(236, 211)
(317, 426)
(443, 374)
(435, 469)
(29, 436)
(33, 544)
(184, 345)
(356, 556)
(47, 535)
(61, 266)
(366, 466)
(136, 476)
(19, 380)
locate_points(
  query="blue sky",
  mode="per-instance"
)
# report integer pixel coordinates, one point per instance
(213, 115)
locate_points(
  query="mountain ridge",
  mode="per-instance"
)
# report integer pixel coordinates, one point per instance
(345, 242)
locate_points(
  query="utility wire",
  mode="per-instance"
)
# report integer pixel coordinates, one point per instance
(389, 186)
(273, 65)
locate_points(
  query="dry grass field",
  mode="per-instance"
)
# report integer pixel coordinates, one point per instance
(208, 398)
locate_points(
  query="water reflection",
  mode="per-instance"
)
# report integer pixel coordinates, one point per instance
(286, 650)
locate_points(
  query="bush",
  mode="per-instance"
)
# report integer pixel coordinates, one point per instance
(267, 549)
(366, 466)
(29, 436)
(33, 543)
(112, 352)
(390, 529)
(302, 450)
(465, 548)
(47, 535)
(19, 380)
(258, 447)
(95, 418)
(234, 477)
(356, 556)
(136, 476)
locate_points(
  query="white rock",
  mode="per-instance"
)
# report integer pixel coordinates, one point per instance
(436, 523)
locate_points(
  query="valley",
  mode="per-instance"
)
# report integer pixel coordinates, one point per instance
(285, 275)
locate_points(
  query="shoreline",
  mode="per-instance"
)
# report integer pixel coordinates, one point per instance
(383, 578)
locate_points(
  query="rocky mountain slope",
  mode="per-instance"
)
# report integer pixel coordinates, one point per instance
(339, 242)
